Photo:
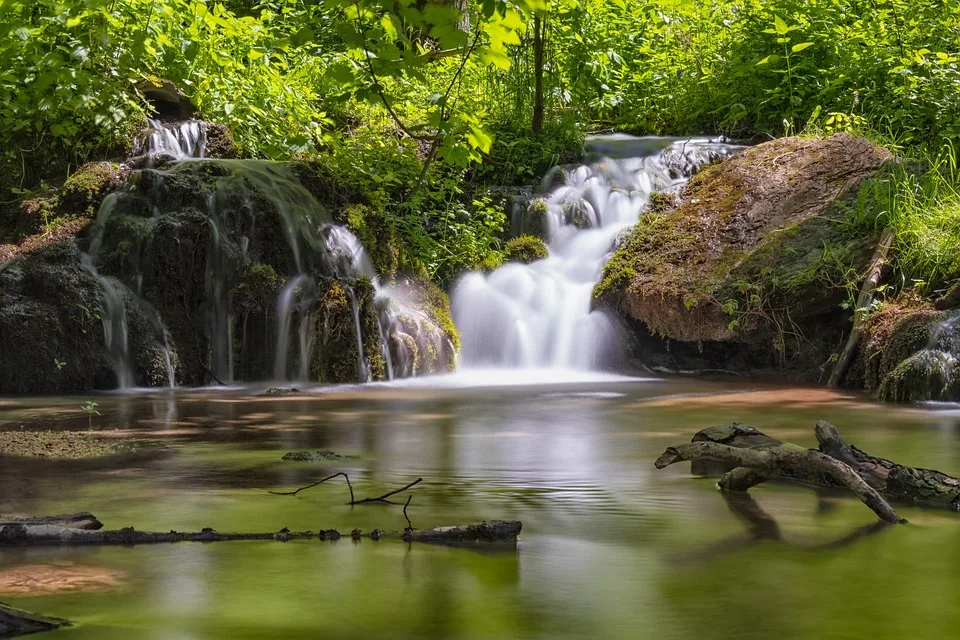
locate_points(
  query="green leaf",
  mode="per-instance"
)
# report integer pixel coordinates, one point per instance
(780, 26)
(801, 46)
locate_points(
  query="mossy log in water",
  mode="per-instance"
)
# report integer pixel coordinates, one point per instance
(15, 622)
(747, 457)
(494, 531)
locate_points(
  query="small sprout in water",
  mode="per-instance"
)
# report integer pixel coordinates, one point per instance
(91, 408)
(59, 364)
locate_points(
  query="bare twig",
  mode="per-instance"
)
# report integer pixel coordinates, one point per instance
(310, 486)
(353, 500)
(384, 497)
(409, 524)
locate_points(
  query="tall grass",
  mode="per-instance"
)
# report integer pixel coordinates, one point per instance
(920, 199)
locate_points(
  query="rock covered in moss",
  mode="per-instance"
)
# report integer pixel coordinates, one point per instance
(910, 351)
(526, 249)
(84, 191)
(533, 220)
(50, 311)
(750, 254)
(345, 333)
(422, 338)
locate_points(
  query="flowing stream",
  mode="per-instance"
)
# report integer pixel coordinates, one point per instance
(539, 315)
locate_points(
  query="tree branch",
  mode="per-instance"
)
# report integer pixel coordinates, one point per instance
(786, 456)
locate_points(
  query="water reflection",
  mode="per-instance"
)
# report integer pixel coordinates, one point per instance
(611, 547)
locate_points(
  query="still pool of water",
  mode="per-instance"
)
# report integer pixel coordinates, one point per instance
(611, 547)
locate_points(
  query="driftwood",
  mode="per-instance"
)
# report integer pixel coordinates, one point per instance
(747, 457)
(500, 531)
(14, 622)
(878, 265)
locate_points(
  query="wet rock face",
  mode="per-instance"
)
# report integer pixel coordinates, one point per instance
(749, 237)
(49, 310)
(910, 352)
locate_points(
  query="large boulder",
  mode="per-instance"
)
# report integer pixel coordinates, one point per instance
(746, 270)
(50, 333)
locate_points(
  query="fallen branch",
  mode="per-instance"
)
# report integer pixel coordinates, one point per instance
(310, 486)
(384, 497)
(353, 501)
(878, 265)
(787, 456)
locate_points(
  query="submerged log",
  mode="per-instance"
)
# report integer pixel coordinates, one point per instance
(745, 457)
(14, 622)
(82, 520)
(495, 531)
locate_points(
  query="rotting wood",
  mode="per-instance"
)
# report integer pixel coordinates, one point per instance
(894, 482)
(874, 275)
(493, 531)
(15, 622)
(766, 463)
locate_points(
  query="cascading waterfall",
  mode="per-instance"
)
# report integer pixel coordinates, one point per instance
(539, 315)
(181, 140)
(222, 205)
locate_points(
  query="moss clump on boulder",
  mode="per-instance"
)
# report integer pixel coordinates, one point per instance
(84, 191)
(339, 355)
(754, 252)
(526, 249)
(534, 219)
(219, 141)
(257, 290)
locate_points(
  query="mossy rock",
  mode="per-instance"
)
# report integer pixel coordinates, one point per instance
(754, 245)
(526, 249)
(219, 141)
(50, 310)
(257, 290)
(338, 354)
(84, 191)
(533, 220)
(926, 375)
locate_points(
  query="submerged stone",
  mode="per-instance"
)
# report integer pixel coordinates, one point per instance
(312, 456)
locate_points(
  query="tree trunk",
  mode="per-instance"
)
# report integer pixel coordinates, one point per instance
(539, 37)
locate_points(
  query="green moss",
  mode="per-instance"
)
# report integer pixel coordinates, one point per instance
(83, 191)
(661, 202)
(257, 289)
(526, 249)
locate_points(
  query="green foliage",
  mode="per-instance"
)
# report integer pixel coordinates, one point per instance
(920, 200)
(526, 249)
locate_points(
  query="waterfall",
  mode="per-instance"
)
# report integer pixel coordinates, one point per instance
(539, 315)
(181, 140)
(204, 223)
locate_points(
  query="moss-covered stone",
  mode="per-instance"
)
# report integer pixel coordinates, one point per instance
(339, 355)
(83, 191)
(534, 219)
(526, 249)
(754, 252)
(257, 290)
(50, 310)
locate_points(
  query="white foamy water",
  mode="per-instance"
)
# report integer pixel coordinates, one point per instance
(182, 140)
(538, 315)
